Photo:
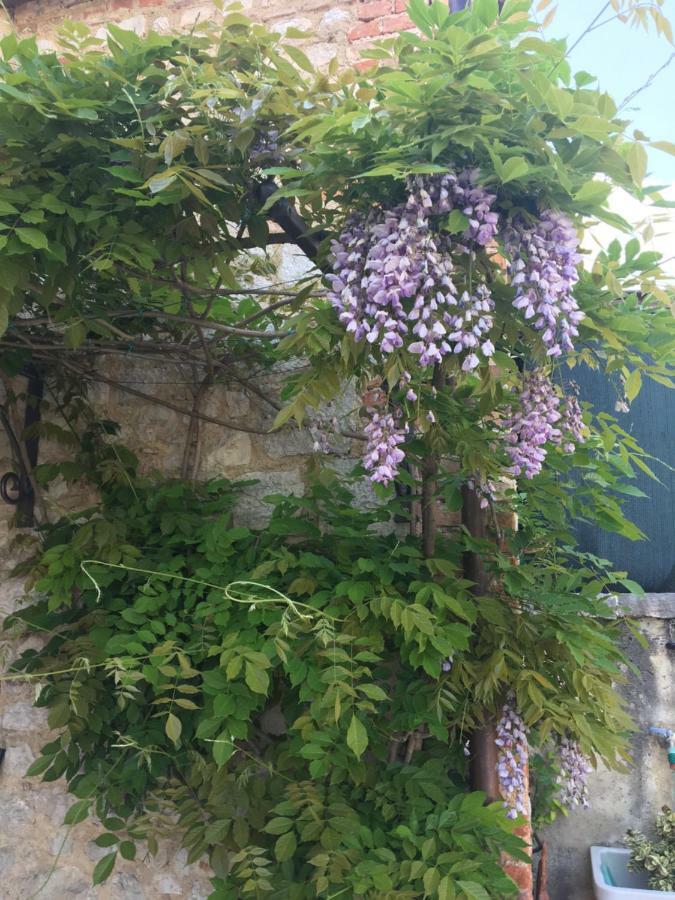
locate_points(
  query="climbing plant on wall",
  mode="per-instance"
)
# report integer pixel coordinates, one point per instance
(297, 700)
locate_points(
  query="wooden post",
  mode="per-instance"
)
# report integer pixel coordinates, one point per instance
(483, 763)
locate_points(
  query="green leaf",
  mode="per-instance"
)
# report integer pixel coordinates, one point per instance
(637, 163)
(104, 867)
(299, 58)
(285, 847)
(173, 727)
(223, 748)
(128, 850)
(487, 11)
(256, 678)
(515, 167)
(446, 889)
(41, 764)
(473, 890)
(633, 385)
(665, 146)
(78, 812)
(106, 840)
(280, 825)
(75, 335)
(456, 222)
(160, 182)
(357, 736)
(33, 237)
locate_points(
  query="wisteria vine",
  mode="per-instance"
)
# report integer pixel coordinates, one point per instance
(400, 283)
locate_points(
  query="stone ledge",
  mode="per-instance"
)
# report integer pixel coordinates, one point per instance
(644, 606)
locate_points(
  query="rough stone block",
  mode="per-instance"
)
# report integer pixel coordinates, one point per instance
(137, 24)
(233, 452)
(23, 717)
(162, 25)
(288, 442)
(335, 22)
(251, 509)
(125, 886)
(321, 54)
(17, 760)
(166, 885)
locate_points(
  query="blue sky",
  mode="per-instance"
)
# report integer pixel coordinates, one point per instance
(623, 58)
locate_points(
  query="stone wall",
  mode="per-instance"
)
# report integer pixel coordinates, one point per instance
(619, 802)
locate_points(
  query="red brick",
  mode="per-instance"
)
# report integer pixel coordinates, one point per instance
(375, 9)
(521, 874)
(400, 5)
(396, 23)
(122, 4)
(364, 30)
(151, 2)
(364, 64)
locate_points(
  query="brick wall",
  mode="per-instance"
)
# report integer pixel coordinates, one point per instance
(339, 29)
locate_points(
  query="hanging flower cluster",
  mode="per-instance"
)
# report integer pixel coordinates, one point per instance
(392, 275)
(575, 768)
(539, 420)
(544, 262)
(383, 454)
(571, 422)
(441, 194)
(394, 284)
(512, 761)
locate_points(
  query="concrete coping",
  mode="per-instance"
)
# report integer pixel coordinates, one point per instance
(643, 606)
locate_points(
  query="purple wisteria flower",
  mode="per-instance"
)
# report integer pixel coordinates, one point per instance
(571, 422)
(544, 261)
(575, 767)
(542, 417)
(440, 194)
(383, 455)
(512, 758)
(392, 282)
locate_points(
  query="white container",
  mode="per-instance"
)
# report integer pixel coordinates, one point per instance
(627, 885)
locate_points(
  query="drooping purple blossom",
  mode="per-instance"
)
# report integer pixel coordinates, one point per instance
(392, 281)
(544, 261)
(511, 741)
(470, 326)
(542, 417)
(440, 194)
(532, 425)
(383, 454)
(571, 421)
(575, 767)
(486, 490)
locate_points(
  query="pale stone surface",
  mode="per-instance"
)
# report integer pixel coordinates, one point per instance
(619, 802)
(234, 451)
(335, 22)
(137, 24)
(251, 509)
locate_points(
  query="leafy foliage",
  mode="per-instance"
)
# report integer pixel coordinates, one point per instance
(295, 700)
(267, 718)
(656, 857)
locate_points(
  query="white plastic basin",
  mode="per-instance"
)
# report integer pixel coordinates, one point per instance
(627, 885)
